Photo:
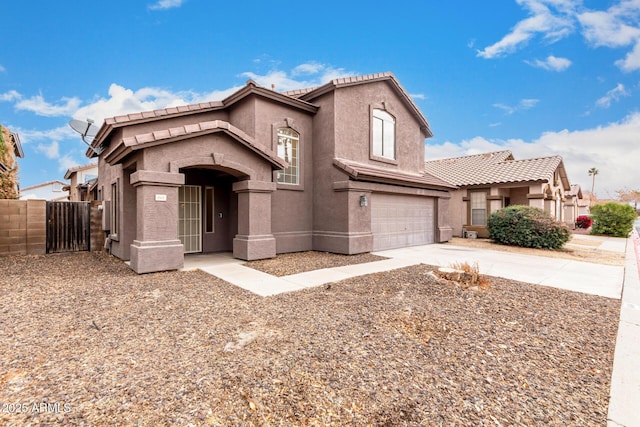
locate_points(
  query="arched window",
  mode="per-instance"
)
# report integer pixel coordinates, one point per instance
(288, 149)
(384, 134)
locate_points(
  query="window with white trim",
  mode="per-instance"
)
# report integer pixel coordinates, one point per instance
(478, 202)
(115, 209)
(384, 134)
(289, 151)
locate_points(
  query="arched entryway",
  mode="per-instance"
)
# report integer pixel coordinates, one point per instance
(207, 210)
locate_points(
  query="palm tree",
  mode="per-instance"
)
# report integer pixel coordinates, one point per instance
(592, 173)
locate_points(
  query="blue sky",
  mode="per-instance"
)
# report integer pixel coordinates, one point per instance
(537, 77)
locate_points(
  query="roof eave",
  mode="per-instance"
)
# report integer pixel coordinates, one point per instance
(124, 148)
(387, 76)
(252, 88)
(381, 177)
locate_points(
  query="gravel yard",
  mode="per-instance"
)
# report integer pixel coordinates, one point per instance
(85, 341)
(299, 262)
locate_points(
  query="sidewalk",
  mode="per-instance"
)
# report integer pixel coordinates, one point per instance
(625, 378)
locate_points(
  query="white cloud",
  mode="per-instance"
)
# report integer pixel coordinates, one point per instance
(552, 63)
(65, 162)
(2, 69)
(52, 151)
(317, 74)
(523, 104)
(632, 61)
(608, 28)
(10, 96)
(308, 68)
(166, 4)
(613, 149)
(553, 20)
(57, 134)
(527, 103)
(39, 106)
(613, 95)
(420, 96)
(121, 101)
(552, 26)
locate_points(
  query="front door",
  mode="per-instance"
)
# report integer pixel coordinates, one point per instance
(190, 218)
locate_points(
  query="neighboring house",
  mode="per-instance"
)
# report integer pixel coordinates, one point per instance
(490, 181)
(83, 178)
(10, 151)
(336, 168)
(50, 190)
(575, 205)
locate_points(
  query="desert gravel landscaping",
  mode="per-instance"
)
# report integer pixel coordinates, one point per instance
(299, 262)
(83, 334)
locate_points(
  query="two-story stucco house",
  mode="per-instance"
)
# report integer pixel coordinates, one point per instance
(82, 178)
(336, 168)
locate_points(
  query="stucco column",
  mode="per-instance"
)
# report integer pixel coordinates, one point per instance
(444, 229)
(254, 239)
(156, 246)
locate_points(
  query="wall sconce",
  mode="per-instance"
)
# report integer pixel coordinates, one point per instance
(363, 201)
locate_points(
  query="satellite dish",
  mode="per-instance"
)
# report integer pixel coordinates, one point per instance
(87, 131)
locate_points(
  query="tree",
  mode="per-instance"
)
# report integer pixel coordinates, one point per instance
(630, 196)
(592, 173)
(627, 195)
(9, 173)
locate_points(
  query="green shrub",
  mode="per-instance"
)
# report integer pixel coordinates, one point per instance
(613, 219)
(528, 227)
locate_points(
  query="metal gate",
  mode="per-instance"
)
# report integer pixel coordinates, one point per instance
(68, 227)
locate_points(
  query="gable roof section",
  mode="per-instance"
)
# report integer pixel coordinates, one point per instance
(496, 168)
(79, 168)
(250, 88)
(312, 93)
(364, 172)
(140, 141)
(576, 191)
(42, 184)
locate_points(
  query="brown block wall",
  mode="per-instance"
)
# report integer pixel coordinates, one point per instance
(22, 227)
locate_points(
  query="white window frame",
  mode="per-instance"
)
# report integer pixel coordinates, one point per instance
(383, 134)
(288, 148)
(115, 209)
(478, 206)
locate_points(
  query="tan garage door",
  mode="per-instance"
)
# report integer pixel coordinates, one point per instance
(398, 221)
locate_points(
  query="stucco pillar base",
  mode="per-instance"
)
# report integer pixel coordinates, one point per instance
(445, 233)
(343, 243)
(254, 247)
(149, 257)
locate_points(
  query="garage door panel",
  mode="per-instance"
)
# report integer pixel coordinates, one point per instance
(399, 220)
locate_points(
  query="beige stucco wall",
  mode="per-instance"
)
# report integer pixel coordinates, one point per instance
(540, 195)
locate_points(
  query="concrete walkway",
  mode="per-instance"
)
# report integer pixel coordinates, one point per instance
(602, 280)
(607, 281)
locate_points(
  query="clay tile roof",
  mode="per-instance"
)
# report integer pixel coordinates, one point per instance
(364, 172)
(298, 92)
(79, 168)
(576, 191)
(493, 168)
(162, 112)
(180, 132)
